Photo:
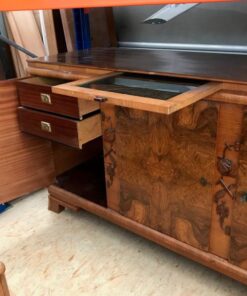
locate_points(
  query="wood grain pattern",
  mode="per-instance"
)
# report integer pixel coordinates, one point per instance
(102, 27)
(30, 96)
(159, 168)
(205, 66)
(19, 70)
(226, 172)
(4, 290)
(19, 21)
(231, 96)
(64, 197)
(238, 252)
(63, 130)
(137, 102)
(48, 32)
(66, 72)
(68, 30)
(18, 56)
(26, 161)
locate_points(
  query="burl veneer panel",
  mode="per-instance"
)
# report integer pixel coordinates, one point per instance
(160, 169)
(229, 130)
(26, 162)
(238, 253)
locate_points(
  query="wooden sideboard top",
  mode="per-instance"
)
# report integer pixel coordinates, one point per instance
(206, 66)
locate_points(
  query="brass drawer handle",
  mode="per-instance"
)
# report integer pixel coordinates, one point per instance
(100, 99)
(45, 126)
(45, 98)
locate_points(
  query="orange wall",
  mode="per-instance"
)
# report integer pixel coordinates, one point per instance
(52, 4)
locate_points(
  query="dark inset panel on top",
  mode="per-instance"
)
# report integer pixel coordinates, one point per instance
(155, 87)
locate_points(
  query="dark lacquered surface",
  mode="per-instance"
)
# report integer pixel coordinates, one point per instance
(209, 66)
(144, 85)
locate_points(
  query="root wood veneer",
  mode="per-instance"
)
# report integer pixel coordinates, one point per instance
(171, 165)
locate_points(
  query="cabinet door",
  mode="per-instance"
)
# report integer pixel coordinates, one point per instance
(143, 92)
(238, 251)
(160, 168)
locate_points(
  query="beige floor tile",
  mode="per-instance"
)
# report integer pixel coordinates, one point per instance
(74, 254)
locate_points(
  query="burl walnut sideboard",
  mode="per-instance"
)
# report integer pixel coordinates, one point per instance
(162, 139)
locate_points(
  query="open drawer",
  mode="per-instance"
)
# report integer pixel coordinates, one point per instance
(35, 92)
(145, 92)
(60, 129)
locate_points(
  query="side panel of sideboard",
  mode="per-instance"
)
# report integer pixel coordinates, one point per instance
(26, 162)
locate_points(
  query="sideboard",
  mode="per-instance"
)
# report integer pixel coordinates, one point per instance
(163, 139)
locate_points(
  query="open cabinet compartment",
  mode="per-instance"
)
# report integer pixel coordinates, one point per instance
(140, 91)
(86, 180)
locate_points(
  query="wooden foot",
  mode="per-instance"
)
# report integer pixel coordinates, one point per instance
(4, 291)
(58, 206)
(54, 206)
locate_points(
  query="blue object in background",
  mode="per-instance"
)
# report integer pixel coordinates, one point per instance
(82, 29)
(4, 207)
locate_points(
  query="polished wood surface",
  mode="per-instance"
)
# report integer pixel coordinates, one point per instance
(178, 179)
(26, 162)
(65, 71)
(230, 96)
(30, 91)
(60, 199)
(229, 130)
(159, 169)
(146, 103)
(238, 252)
(206, 66)
(4, 290)
(63, 130)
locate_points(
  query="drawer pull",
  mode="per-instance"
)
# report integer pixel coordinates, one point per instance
(45, 126)
(45, 98)
(100, 99)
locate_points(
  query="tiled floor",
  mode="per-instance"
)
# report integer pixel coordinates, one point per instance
(74, 254)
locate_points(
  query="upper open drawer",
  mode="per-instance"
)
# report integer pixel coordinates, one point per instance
(145, 92)
(36, 93)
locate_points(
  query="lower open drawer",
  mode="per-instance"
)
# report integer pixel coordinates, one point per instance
(67, 131)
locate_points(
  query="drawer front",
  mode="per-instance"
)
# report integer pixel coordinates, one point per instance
(39, 96)
(63, 130)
